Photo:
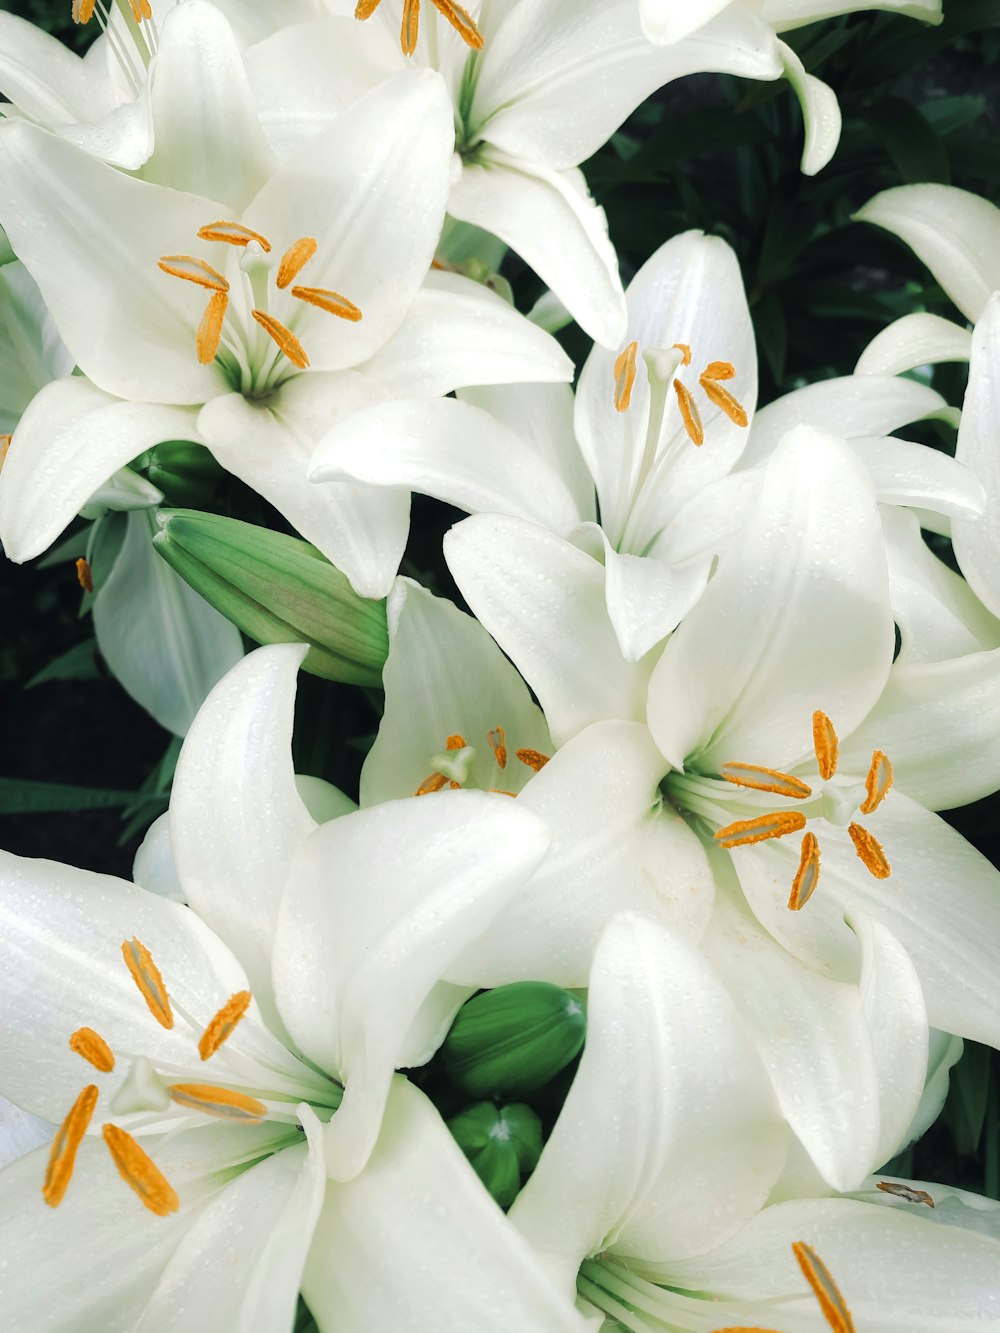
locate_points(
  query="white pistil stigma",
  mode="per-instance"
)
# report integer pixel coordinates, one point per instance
(435, 781)
(744, 832)
(459, 18)
(900, 1191)
(139, 1172)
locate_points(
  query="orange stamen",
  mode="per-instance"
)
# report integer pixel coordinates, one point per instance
(209, 333)
(140, 1172)
(825, 744)
(719, 370)
(824, 1288)
(625, 372)
(461, 20)
(366, 8)
(455, 742)
(221, 1027)
(432, 783)
(296, 257)
(93, 1048)
(807, 875)
(411, 22)
(533, 758)
(877, 783)
(193, 270)
(83, 10)
(746, 831)
(765, 779)
(869, 849)
(685, 351)
(233, 233)
(689, 413)
(285, 338)
(907, 1192)
(498, 744)
(84, 575)
(220, 1102)
(146, 976)
(501, 791)
(4, 447)
(141, 10)
(332, 302)
(725, 401)
(62, 1155)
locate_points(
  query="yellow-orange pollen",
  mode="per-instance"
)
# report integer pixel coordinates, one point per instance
(744, 832)
(826, 1291)
(4, 448)
(83, 10)
(496, 738)
(710, 381)
(191, 268)
(459, 18)
(84, 575)
(138, 1171)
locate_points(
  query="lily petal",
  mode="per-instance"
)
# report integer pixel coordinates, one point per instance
(820, 112)
(914, 340)
(904, 473)
(976, 542)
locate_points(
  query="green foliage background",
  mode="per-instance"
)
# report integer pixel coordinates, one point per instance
(919, 104)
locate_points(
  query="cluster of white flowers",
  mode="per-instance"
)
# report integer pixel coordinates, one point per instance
(711, 655)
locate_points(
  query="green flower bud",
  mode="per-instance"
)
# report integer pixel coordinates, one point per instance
(186, 473)
(278, 589)
(509, 1041)
(503, 1145)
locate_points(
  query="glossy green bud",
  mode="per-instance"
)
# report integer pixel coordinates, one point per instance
(278, 589)
(509, 1041)
(503, 1145)
(186, 473)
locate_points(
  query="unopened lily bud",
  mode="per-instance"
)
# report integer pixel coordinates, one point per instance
(278, 589)
(509, 1041)
(186, 473)
(503, 1145)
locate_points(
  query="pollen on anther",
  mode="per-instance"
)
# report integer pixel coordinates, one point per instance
(294, 260)
(624, 371)
(685, 351)
(233, 233)
(147, 978)
(807, 875)
(824, 1288)
(533, 758)
(209, 333)
(141, 9)
(284, 337)
(719, 370)
(455, 742)
(825, 744)
(221, 1027)
(877, 782)
(223, 1103)
(140, 1172)
(4, 447)
(744, 832)
(84, 575)
(62, 1155)
(765, 779)
(869, 850)
(689, 413)
(725, 401)
(498, 744)
(92, 1047)
(461, 20)
(191, 269)
(83, 10)
(431, 784)
(332, 302)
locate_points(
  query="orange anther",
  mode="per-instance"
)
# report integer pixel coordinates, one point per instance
(191, 269)
(685, 351)
(869, 849)
(220, 1102)
(533, 758)
(455, 742)
(332, 302)
(461, 20)
(221, 1027)
(84, 575)
(877, 782)
(689, 413)
(141, 9)
(93, 1048)
(807, 875)
(62, 1155)
(209, 333)
(625, 372)
(825, 1289)
(146, 976)
(825, 744)
(765, 779)
(411, 22)
(140, 1172)
(719, 370)
(295, 258)
(432, 783)
(725, 401)
(4, 447)
(83, 10)
(746, 831)
(907, 1192)
(284, 337)
(233, 233)
(498, 744)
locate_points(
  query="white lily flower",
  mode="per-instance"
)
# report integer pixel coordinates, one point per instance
(666, 21)
(537, 90)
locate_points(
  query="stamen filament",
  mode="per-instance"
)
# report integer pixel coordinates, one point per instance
(193, 270)
(297, 256)
(498, 744)
(233, 233)
(283, 337)
(765, 779)
(689, 413)
(625, 372)
(62, 1155)
(222, 1026)
(147, 978)
(877, 783)
(807, 875)
(825, 744)
(209, 333)
(220, 1102)
(824, 1288)
(869, 849)
(743, 832)
(93, 1048)
(533, 758)
(332, 302)
(140, 1172)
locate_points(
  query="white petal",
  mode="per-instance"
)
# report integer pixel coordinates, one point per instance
(123, 138)
(31, 351)
(670, 1108)
(153, 867)
(458, 333)
(20, 1132)
(378, 904)
(360, 529)
(91, 238)
(69, 442)
(445, 676)
(43, 79)
(615, 847)
(448, 1261)
(796, 618)
(450, 450)
(208, 138)
(648, 598)
(955, 233)
(372, 188)
(544, 603)
(160, 638)
(785, 14)
(914, 340)
(904, 473)
(664, 21)
(976, 541)
(234, 839)
(820, 112)
(552, 222)
(858, 405)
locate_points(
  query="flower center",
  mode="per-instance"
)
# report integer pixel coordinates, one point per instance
(239, 329)
(459, 18)
(284, 1083)
(710, 381)
(452, 768)
(133, 42)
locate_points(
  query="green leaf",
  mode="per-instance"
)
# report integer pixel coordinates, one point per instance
(20, 797)
(77, 663)
(910, 140)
